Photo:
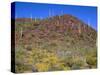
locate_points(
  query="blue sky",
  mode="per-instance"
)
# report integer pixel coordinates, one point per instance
(38, 10)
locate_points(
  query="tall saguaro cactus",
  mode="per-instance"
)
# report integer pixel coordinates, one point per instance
(79, 29)
(21, 32)
(88, 23)
(49, 13)
(31, 17)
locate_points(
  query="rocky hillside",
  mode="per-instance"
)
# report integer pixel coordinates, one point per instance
(63, 37)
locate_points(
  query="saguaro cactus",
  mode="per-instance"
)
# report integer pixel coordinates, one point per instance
(79, 29)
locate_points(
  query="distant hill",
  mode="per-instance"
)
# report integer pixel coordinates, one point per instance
(58, 27)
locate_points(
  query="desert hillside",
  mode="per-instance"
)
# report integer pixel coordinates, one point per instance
(56, 43)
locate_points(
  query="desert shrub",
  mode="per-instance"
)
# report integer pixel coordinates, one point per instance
(42, 66)
(45, 61)
(50, 46)
(53, 44)
(19, 54)
(73, 63)
(91, 61)
(78, 63)
(91, 52)
(62, 66)
(19, 60)
(19, 68)
(68, 61)
(91, 58)
(42, 28)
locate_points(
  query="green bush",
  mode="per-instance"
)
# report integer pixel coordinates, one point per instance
(91, 61)
(91, 58)
(78, 64)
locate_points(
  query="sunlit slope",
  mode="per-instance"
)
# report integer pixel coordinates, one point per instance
(55, 43)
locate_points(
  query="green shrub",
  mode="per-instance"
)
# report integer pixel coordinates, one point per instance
(91, 58)
(91, 61)
(78, 64)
